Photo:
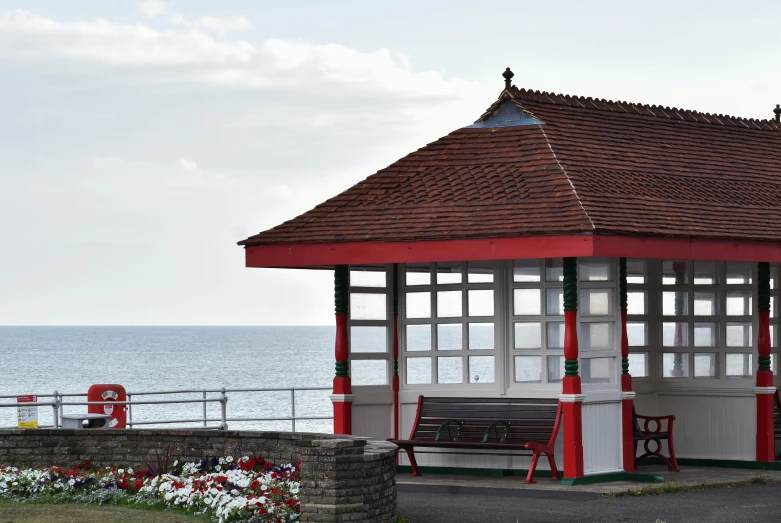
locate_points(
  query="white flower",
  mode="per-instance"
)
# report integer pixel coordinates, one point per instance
(229, 459)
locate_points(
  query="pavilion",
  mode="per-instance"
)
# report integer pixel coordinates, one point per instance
(606, 253)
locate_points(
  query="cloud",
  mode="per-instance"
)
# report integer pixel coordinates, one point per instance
(153, 8)
(188, 165)
(206, 50)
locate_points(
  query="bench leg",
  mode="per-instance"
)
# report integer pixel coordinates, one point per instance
(554, 471)
(674, 462)
(532, 468)
(412, 462)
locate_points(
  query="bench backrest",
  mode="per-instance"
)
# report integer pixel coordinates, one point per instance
(490, 420)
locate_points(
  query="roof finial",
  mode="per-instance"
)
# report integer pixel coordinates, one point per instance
(777, 112)
(508, 76)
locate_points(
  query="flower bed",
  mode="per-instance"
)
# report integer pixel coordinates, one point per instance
(246, 489)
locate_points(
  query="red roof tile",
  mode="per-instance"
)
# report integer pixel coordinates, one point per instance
(592, 166)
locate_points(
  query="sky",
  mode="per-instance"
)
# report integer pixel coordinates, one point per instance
(140, 140)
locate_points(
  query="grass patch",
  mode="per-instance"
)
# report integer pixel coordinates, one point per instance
(402, 519)
(13, 512)
(674, 488)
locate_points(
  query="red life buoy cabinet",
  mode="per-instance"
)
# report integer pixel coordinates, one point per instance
(109, 392)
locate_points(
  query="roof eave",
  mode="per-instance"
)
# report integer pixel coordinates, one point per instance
(328, 255)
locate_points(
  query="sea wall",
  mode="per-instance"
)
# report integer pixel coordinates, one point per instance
(342, 478)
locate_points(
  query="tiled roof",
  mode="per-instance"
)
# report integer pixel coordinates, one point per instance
(592, 166)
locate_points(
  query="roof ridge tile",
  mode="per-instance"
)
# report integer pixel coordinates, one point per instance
(659, 111)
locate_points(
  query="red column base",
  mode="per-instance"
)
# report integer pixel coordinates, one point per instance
(765, 436)
(627, 435)
(343, 406)
(572, 410)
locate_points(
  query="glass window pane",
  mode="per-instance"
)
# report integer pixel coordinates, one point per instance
(526, 302)
(675, 334)
(555, 366)
(773, 340)
(705, 365)
(554, 302)
(369, 372)
(635, 271)
(418, 337)
(705, 334)
(675, 303)
(450, 370)
(675, 365)
(704, 274)
(596, 336)
(367, 306)
(368, 339)
(593, 302)
(528, 369)
(638, 364)
(526, 270)
(480, 272)
(637, 333)
(773, 363)
(773, 276)
(364, 278)
(597, 370)
(418, 371)
(738, 273)
(449, 337)
(448, 273)
(481, 302)
(739, 365)
(554, 269)
(449, 304)
(481, 369)
(739, 334)
(418, 274)
(528, 335)
(705, 304)
(739, 303)
(418, 305)
(555, 335)
(674, 273)
(772, 306)
(635, 302)
(594, 269)
(481, 336)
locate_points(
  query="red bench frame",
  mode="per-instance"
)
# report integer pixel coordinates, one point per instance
(535, 447)
(656, 434)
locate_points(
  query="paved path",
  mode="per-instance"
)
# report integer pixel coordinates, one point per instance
(441, 504)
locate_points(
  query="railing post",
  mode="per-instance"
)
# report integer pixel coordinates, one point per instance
(56, 408)
(224, 409)
(204, 408)
(129, 410)
(293, 407)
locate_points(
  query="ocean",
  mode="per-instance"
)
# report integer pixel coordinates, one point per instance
(40, 360)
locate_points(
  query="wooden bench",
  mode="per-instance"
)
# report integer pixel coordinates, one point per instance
(519, 426)
(656, 429)
(777, 419)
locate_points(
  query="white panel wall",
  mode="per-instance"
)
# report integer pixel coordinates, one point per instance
(602, 437)
(712, 426)
(372, 421)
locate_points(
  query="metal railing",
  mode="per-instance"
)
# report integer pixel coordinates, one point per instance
(205, 396)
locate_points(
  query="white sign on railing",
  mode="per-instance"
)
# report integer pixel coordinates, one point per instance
(27, 416)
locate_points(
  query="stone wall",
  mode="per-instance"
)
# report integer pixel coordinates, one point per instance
(342, 478)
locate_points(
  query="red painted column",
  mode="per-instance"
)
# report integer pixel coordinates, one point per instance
(572, 396)
(342, 393)
(627, 395)
(396, 427)
(764, 389)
